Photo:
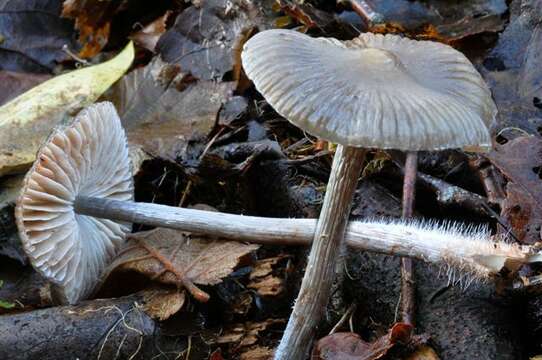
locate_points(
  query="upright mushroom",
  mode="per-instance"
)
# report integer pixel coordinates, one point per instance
(375, 91)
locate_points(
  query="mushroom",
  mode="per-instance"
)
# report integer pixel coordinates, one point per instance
(375, 91)
(88, 158)
(82, 177)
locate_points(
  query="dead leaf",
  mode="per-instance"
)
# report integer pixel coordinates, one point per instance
(162, 109)
(520, 161)
(268, 286)
(173, 257)
(246, 334)
(93, 22)
(149, 35)
(16, 83)
(10, 244)
(442, 20)
(262, 278)
(424, 352)
(203, 36)
(513, 72)
(264, 267)
(216, 355)
(257, 353)
(350, 346)
(241, 304)
(32, 35)
(28, 119)
(161, 304)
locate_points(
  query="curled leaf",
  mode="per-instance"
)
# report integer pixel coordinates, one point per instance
(26, 120)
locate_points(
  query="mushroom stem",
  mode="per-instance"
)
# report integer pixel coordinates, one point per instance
(326, 246)
(408, 289)
(470, 250)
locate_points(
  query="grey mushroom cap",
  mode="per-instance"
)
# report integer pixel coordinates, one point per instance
(88, 158)
(380, 91)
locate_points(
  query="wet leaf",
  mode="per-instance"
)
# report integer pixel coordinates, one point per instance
(246, 334)
(93, 22)
(257, 353)
(162, 109)
(149, 35)
(513, 72)
(16, 83)
(442, 20)
(345, 346)
(204, 36)
(263, 280)
(27, 120)
(6, 305)
(161, 304)
(32, 36)
(10, 245)
(172, 257)
(520, 160)
(424, 352)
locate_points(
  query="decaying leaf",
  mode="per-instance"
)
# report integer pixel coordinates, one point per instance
(424, 352)
(257, 353)
(10, 245)
(513, 72)
(16, 83)
(520, 160)
(163, 109)
(203, 36)
(161, 304)
(172, 257)
(27, 120)
(32, 36)
(350, 346)
(247, 334)
(149, 35)
(93, 21)
(263, 280)
(441, 20)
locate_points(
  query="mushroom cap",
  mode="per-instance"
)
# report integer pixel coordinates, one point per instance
(87, 158)
(381, 91)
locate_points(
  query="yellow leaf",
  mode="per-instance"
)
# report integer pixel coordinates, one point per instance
(28, 119)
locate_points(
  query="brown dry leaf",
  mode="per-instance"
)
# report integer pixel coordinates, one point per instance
(93, 21)
(247, 334)
(163, 109)
(264, 267)
(267, 286)
(149, 35)
(424, 352)
(520, 160)
(257, 353)
(241, 304)
(262, 279)
(173, 257)
(350, 346)
(160, 304)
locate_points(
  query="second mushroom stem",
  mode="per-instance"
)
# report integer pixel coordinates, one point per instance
(408, 290)
(326, 247)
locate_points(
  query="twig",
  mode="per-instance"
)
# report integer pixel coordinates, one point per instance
(347, 315)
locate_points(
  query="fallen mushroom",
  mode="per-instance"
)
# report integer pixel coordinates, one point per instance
(71, 188)
(374, 91)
